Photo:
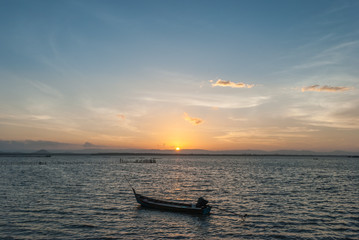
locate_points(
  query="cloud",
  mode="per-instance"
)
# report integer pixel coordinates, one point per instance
(322, 55)
(194, 121)
(224, 83)
(41, 117)
(205, 99)
(89, 145)
(315, 64)
(121, 116)
(46, 89)
(340, 46)
(30, 145)
(325, 88)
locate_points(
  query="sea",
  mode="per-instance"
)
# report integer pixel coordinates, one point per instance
(90, 197)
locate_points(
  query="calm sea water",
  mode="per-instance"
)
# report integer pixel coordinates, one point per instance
(88, 197)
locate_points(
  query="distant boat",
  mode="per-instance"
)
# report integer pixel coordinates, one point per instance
(200, 207)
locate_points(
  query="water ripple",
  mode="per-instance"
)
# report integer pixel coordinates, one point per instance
(88, 197)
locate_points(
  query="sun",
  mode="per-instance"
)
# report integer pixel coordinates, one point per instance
(178, 148)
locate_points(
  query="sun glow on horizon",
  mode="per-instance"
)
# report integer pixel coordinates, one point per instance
(178, 148)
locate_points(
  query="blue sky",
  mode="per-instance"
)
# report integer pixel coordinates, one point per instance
(194, 74)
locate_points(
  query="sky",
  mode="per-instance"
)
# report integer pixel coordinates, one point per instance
(214, 75)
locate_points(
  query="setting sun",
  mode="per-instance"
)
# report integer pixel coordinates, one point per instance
(178, 148)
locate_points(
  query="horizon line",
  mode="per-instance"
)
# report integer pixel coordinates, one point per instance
(183, 152)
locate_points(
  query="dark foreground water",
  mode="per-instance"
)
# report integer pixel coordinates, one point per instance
(88, 197)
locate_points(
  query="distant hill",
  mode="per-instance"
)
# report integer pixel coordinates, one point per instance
(181, 152)
(51, 147)
(42, 152)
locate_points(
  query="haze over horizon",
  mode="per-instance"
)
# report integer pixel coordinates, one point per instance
(213, 75)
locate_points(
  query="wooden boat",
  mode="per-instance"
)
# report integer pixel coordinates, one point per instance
(200, 208)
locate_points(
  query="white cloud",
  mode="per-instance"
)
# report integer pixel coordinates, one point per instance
(224, 83)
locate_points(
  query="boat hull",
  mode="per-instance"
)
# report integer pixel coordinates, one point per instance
(171, 206)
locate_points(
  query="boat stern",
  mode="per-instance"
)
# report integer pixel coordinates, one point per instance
(206, 210)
